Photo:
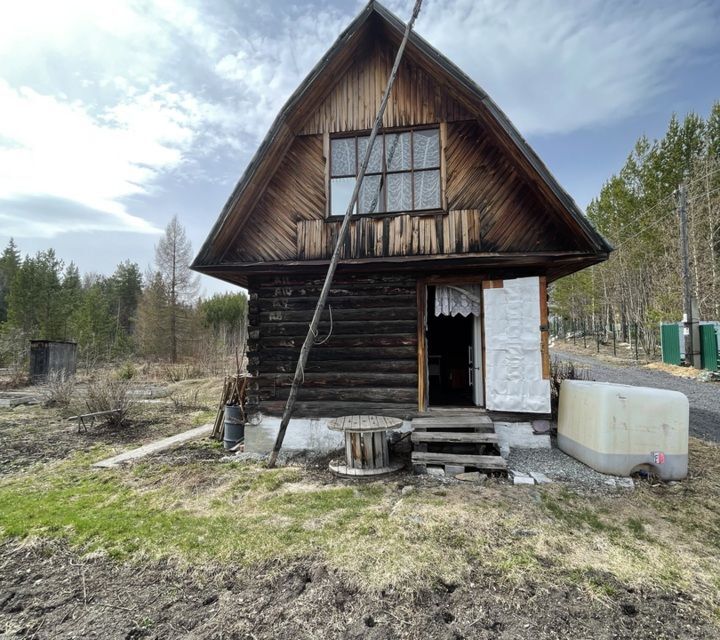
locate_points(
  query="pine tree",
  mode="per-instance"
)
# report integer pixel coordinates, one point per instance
(640, 285)
(152, 329)
(225, 316)
(9, 265)
(124, 289)
(35, 300)
(92, 324)
(72, 296)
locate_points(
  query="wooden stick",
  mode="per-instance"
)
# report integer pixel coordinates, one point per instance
(312, 331)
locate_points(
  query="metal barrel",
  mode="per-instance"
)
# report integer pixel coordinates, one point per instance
(234, 426)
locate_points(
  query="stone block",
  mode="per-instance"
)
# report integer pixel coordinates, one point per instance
(453, 469)
(471, 476)
(520, 435)
(523, 480)
(540, 478)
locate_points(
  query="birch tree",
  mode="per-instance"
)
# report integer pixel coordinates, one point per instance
(641, 284)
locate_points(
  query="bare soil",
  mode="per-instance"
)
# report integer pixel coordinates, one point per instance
(51, 592)
(32, 434)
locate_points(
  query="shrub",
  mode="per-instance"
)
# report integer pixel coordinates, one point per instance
(108, 393)
(562, 370)
(59, 388)
(180, 372)
(14, 354)
(127, 371)
(187, 401)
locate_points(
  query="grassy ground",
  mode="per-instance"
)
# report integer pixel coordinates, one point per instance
(656, 537)
(399, 535)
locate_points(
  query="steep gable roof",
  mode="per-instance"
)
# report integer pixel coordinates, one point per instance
(319, 82)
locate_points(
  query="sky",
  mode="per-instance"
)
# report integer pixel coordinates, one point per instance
(117, 115)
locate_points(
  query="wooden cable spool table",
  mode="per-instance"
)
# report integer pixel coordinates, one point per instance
(366, 445)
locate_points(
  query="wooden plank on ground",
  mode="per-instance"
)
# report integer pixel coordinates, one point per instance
(480, 462)
(481, 428)
(158, 445)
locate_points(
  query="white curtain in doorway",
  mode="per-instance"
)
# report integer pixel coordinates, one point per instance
(451, 300)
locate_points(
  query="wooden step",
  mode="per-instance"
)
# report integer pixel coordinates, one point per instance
(496, 463)
(454, 420)
(449, 426)
(452, 436)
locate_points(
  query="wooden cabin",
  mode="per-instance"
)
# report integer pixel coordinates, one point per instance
(440, 298)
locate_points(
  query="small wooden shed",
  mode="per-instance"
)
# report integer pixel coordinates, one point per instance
(51, 356)
(440, 298)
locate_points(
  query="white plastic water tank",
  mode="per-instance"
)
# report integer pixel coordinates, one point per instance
(617, 429)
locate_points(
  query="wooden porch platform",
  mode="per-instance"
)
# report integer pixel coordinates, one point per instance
(452, 438)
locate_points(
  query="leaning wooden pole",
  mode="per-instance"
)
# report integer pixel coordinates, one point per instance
(313, 329)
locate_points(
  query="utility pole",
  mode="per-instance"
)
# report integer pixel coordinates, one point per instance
(691, 332)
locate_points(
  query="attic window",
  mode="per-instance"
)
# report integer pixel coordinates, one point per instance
(403, 173)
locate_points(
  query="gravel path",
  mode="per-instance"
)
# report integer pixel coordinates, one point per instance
(704, 397)
(560, 467)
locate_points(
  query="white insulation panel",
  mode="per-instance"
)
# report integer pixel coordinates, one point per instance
(513, 357)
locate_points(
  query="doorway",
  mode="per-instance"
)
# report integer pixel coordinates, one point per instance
(454, 360)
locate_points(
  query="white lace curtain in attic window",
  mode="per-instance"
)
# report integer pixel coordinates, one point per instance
(451, 300)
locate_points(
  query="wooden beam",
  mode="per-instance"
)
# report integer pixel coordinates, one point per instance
(443, 166)
(481, 462)
(544, 329)
(422, 346)
(444, 436)
(489, 259)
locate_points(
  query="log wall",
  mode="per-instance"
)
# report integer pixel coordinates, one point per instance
(367, 365)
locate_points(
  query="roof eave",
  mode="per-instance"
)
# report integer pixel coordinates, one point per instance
(470, 85)
(594, 238)
(275, 128)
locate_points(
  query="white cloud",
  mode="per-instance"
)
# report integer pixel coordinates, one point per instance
(59, 150)
(265, 69)
(87, 115)
(100, 102)
(556, 66)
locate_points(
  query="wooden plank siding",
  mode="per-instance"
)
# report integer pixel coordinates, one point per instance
(369, 357)
(491, 209)
(486, 166)
(296, 191)
(352, 104)
(397, 235)
(480, 176)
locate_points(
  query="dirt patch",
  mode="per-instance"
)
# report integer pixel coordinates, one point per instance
(50, 591)
(205, 450)
(682, 372)
(622, 355)
(29, 435)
